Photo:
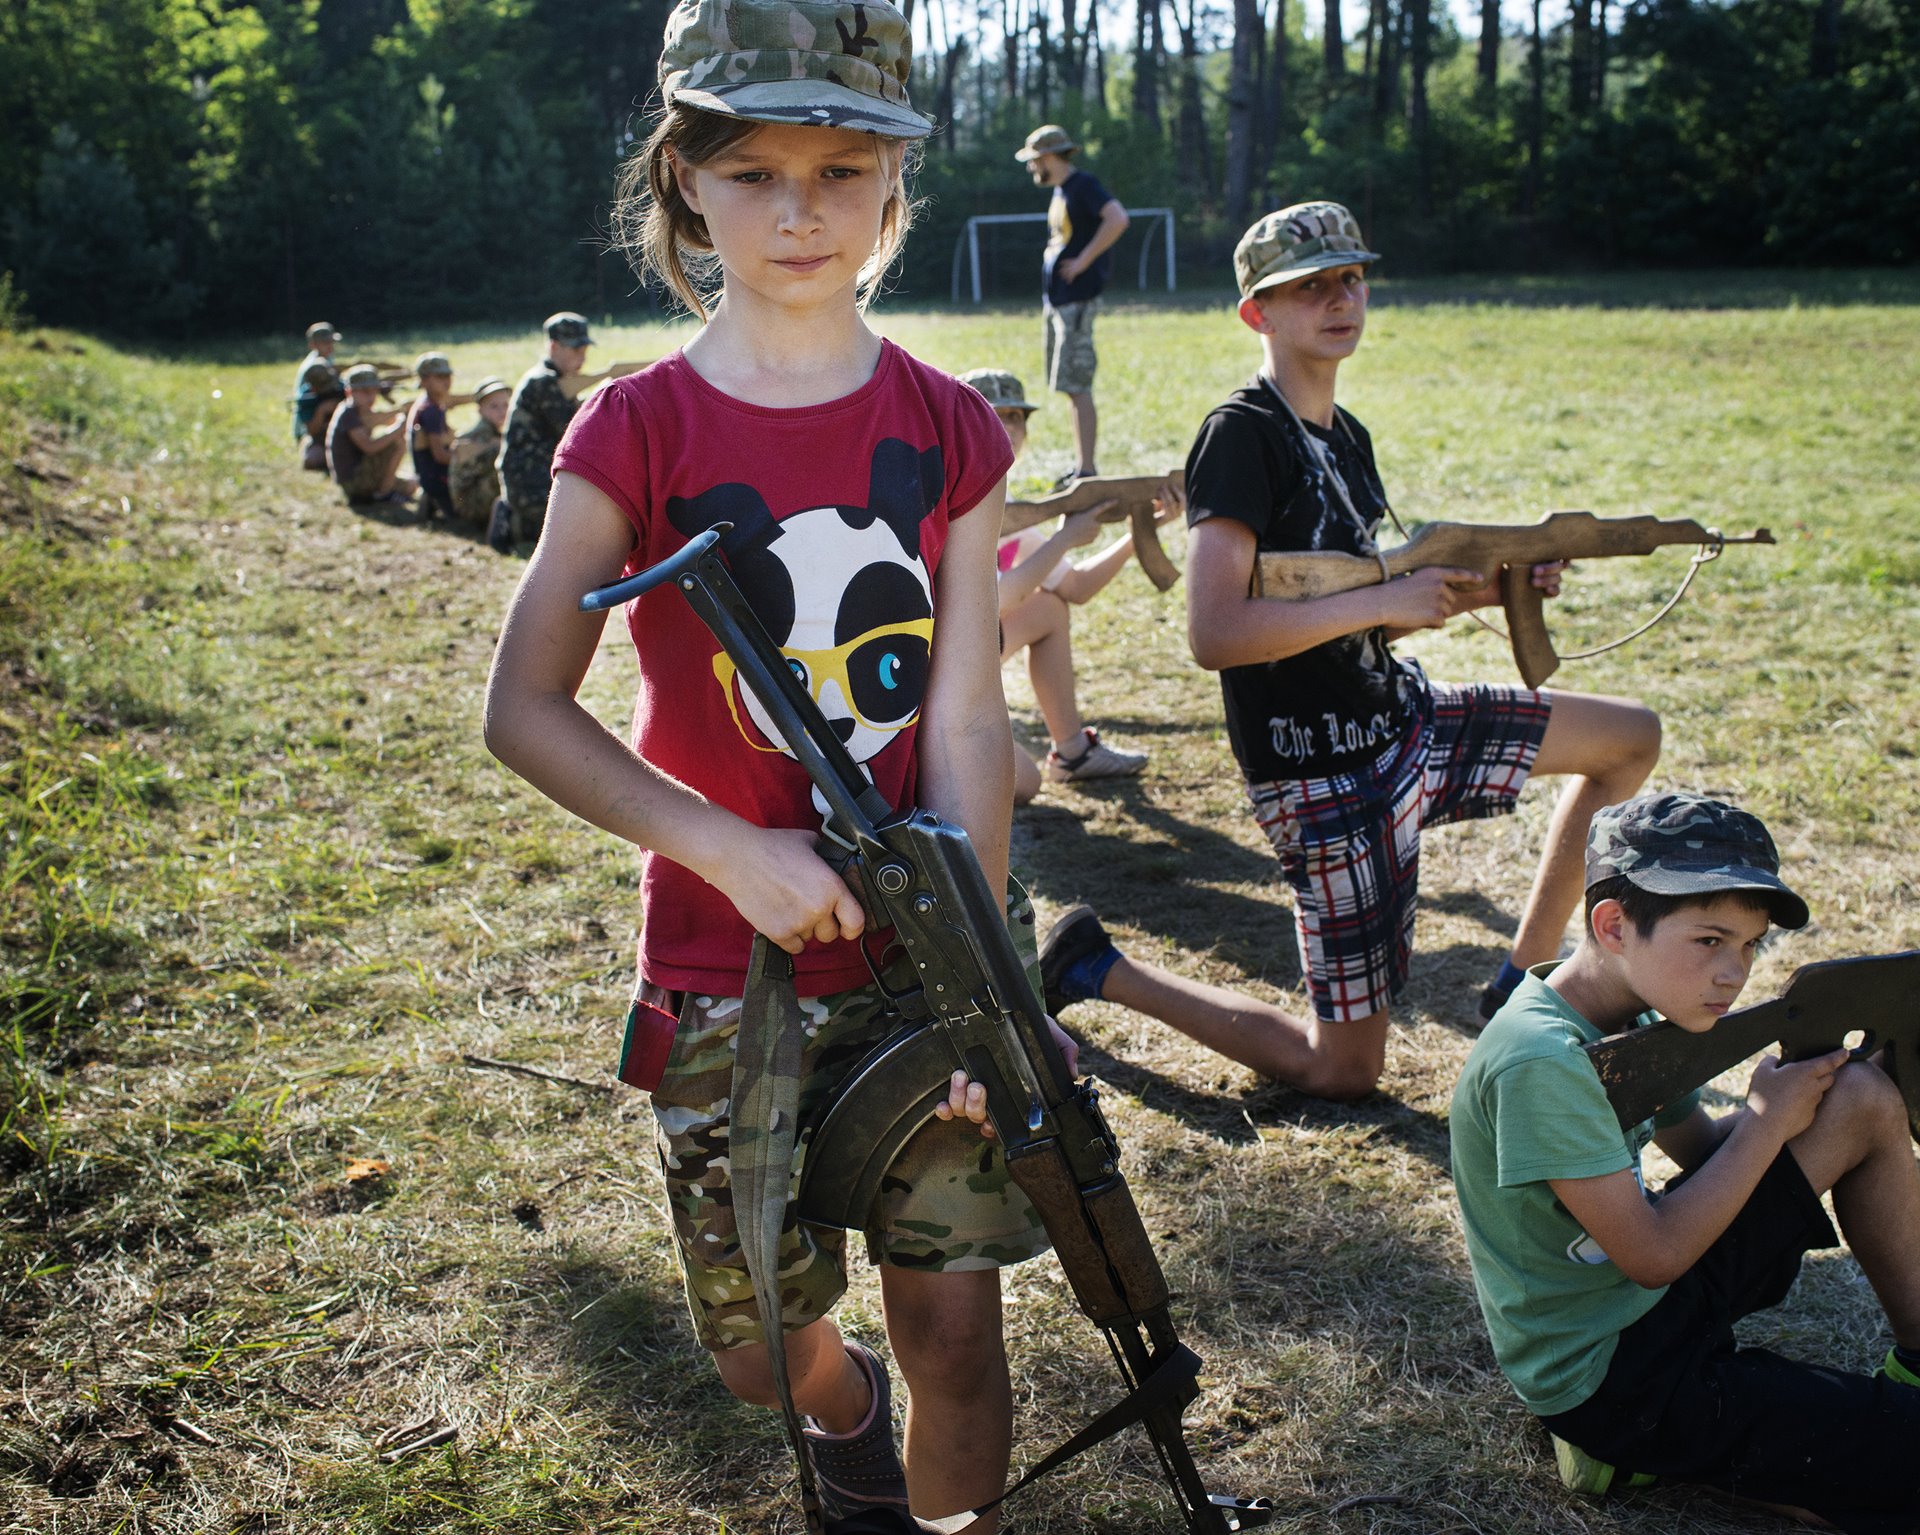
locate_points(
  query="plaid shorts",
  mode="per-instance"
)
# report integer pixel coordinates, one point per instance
(946, 1205)
(1349, 844)
(1071, 359)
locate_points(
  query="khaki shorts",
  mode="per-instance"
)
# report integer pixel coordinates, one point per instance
(365, 481)
(947, 1205)
(1071, 360)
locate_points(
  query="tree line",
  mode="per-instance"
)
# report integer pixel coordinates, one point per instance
(176, 166)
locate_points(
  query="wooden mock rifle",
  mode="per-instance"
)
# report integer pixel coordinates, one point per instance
(1508, 553)
(970, 1007)
(1132, 498)
(1876, 996)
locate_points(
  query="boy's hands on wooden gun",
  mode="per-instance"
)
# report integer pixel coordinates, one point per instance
(787, 891)
(1081, 528)
(1428, 597)
(1786, 1094)
(1169, 501)
(967, 1099)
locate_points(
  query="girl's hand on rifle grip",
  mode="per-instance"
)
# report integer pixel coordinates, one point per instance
(966, 1099)
(785, 890)
(1069, 1046)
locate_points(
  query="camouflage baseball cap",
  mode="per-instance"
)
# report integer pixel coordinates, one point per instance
(364, 376)
(1047, 139)
(432, 362)
(1284, 246)
(568, 328)
(1684, 844)
(1000, 390)
(819, 63)
(491, 386)
(320, 330)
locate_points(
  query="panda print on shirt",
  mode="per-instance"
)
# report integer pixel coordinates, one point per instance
(842, 590)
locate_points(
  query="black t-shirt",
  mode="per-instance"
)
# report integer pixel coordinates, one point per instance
(1331, 708)
(1072, 218)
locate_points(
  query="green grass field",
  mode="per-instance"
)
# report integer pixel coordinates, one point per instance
(264, 894)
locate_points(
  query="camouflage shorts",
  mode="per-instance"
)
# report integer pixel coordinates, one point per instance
(947, 1204)
(1070, 356)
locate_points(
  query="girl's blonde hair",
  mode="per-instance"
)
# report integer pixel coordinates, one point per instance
(662, 237)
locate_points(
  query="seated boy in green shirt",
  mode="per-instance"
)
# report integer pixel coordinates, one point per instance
(1611, 1310)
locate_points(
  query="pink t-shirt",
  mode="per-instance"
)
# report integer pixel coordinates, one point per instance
(839, 514)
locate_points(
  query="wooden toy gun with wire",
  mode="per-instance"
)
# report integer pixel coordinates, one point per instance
(1876, 996)
(1132, 502)
(1507, 554)
(966, 1003)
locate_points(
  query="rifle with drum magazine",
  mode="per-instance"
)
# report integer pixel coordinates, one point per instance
(1876, 996)
(972, 1008)
(1131, 501)
(1508, 553)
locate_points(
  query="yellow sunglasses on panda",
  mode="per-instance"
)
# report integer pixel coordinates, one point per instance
(882, 675)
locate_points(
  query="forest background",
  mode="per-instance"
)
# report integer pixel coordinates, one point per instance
(188, 166)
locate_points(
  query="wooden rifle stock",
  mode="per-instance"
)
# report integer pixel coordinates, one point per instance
(1504, 552)
(1132, 497)
(1877, 996)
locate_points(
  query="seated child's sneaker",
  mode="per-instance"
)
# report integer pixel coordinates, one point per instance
(858, 1474)
(1074, 959)
(1584, 1473)
(1096, 760)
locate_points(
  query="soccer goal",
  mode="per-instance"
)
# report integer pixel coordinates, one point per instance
(966, 249)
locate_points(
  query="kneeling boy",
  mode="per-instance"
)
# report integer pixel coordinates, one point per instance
(1611, 1311)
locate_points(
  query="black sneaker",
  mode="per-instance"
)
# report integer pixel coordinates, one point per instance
(1077, 934)
(858, 1475)
(1492, 999)
(500, 528)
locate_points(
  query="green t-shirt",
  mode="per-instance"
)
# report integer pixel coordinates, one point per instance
(1529, 1107)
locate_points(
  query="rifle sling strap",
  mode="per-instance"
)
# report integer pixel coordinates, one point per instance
(763, 1123)
(1171, 1384)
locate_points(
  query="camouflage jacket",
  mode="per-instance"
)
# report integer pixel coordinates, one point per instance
(535, 421)
(474, 475)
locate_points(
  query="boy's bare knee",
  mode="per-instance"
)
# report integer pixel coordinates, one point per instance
(1866, 1097)
(1343, 1082)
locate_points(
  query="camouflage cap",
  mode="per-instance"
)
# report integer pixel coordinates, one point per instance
(363, 376)
(818, 63)
(491, 386)
(568, 328)
(1047, 139)
(1000, 390)
(432, 362)
(320, 330)
(1284, 246)
(1684, 844)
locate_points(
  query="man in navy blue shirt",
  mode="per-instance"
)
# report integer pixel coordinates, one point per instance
(1083, 221)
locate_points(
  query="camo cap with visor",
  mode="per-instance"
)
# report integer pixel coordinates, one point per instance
(433, 362)
(1684, 844)
(1001, 390)
(364, 376)
(1288, 245)
(567, 328)
(818, 63)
